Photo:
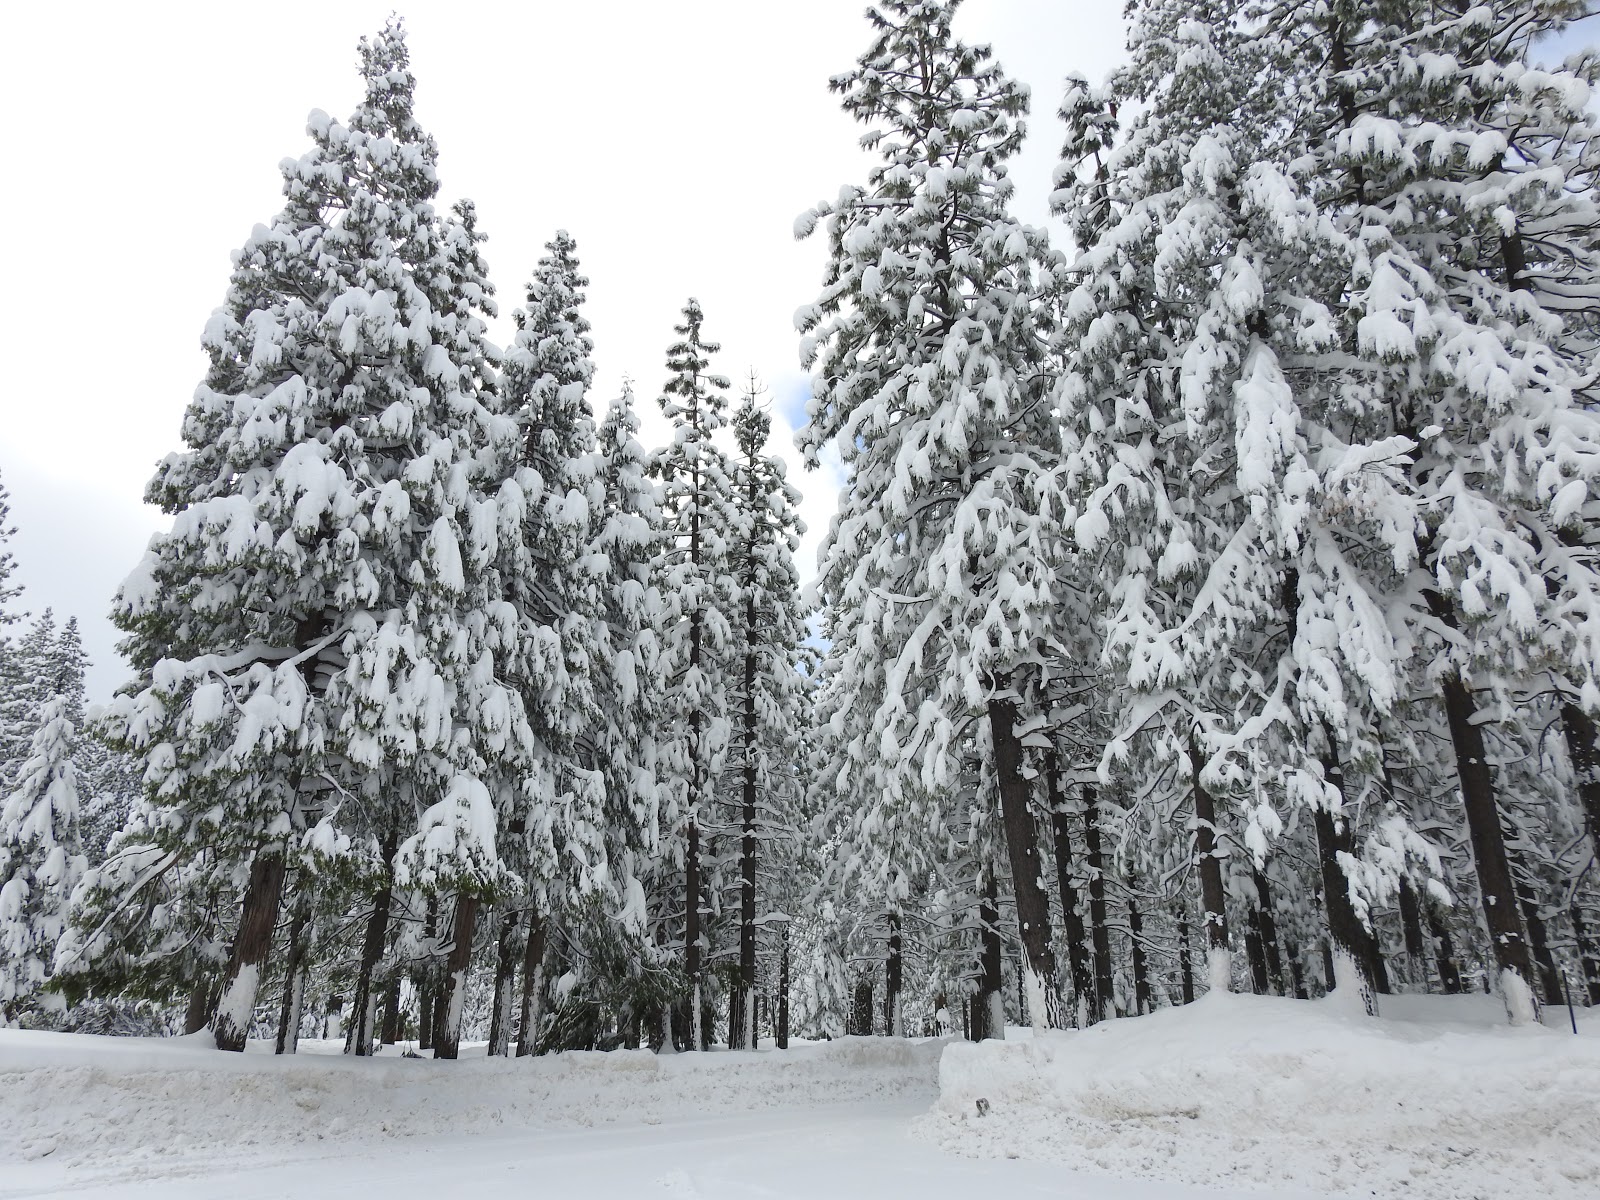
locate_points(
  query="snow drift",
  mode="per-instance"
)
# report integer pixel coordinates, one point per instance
(1438, 1100)
(106, 1103)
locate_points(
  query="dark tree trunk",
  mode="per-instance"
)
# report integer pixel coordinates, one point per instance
(1411, 924)
(861, 1008)
(1185, 963)
(1327, 964)
(894, 969)
(455, 978)
(1583, 748)
(1213, 901)
(198, 1013)
(1506, 937)
(294, 983)
(1022, 843)
(691, 936)
(391, 1011)
(1538, 943)
(1588, 955)
(1141, 976)
(424, 1013)
(1104, 990)
(1269, 932)
(1348, 935)
(532, 982)
(1252, 950)
(1296, 974)
(1449, 974)
(505, 984)
(359, 1040)
(257, 918)
(988, 1011)
(1071, 918)
(782, 1033)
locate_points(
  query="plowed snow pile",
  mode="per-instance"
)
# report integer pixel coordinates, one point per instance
(101, 1102)
(1438, 1100)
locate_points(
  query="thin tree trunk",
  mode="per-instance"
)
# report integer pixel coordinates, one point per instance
(691, 934)
(1583, 747)
(1349, 937)
(1449, 975)
(1506, 937)
(1269, 932)
(257, 918)
(391, 1011)
(361, 1008)
(1588, 955)
(455, 979)
(1084, 1008)
(1411, 924)
(424, 1013)
(892, 977)
(1104, 990)
(293, 983)
(1141, 976)
(783, 990)
(505, 984)
(1254, 955)
(1185, 963)
(1213, 901)
(1027, 872)
(988, 1010)
(532, 983)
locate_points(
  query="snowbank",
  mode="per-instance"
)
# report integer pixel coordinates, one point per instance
(1439, 1100)
(101, 1102)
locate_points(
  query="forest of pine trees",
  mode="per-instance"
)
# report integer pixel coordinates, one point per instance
(1213, 600)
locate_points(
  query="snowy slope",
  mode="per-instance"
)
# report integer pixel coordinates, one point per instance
(1438, 1100)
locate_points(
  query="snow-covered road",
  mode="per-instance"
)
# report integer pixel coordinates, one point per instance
(856, 1150)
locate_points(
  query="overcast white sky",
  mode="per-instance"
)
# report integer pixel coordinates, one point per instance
(676, 141)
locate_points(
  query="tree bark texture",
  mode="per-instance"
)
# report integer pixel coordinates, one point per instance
(294, 983)
(1022, 843)
(257, 918)
(1507, 940)
(532, 982)
(505, 983)
(1084, 1007)
(1104, 989)
(359, 1040)
(448, 1045)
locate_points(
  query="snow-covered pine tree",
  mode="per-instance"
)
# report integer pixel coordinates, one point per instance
(40, 857)
(311, 673)
(928, 350)
(26, 689)
(628, 685)
(8, 566)
(552, 811)
(767, 698)
(698, 521)
(1459, 177)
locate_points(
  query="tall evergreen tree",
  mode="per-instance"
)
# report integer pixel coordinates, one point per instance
(767, 699)
(697, 524)
(40, 858)
(929, 381)
(315, 673)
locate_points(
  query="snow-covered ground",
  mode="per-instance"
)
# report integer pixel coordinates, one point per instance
(1241, 1094)
(1439, 1100)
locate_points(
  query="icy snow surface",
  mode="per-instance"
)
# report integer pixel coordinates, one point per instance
(1438, 1099)
(1234, 1096)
